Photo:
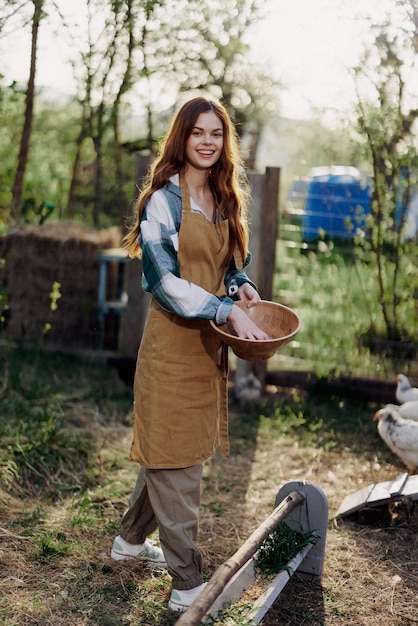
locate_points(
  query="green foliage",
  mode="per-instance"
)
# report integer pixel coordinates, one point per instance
(50, 547)
(322, 422)
(336, 295)
(237, 615)
(220, 63)
(39, 453)
(89, 514)
(280, 547)
(389, 126)
(54, 296)
(80, 157)
(52, 151)
(293, 419)
(11, 112)
(52, 148)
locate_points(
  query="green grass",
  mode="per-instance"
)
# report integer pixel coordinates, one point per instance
(39, 452)
(280, 547)
(239, 615)
(337, 302)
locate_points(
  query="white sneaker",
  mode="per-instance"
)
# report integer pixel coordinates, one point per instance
(181, 600)
(148, 550)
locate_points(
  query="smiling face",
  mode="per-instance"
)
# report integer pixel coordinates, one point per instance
(205, 143)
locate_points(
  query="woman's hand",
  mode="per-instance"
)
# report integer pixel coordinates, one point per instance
(247, 293)
(243, 325)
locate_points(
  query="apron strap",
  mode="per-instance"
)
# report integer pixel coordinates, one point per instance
(187, 209)
(223, 426)
(185, 196)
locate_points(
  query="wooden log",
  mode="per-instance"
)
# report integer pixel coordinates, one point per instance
(369, 389)
(266, 600)
(224, 573)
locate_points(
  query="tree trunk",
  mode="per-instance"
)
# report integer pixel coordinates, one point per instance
(22, 161)
(71, 203)
(121, 200)
(98, 182)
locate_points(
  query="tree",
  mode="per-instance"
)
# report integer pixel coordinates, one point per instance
(11, 111)
(109, 71)
(17, 189)
(210, 52)
(143, 47)
(141, 56)
(124, 87)
(389, 123)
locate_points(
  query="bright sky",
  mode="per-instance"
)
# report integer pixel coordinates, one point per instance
(312, 44)
(309, 44)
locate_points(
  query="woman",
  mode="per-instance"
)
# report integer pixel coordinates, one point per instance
(191, 231)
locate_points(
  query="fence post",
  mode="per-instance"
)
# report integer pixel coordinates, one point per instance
(264, 233)
(264, 226)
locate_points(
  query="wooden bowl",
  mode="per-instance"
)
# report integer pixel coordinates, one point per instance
(277, 320)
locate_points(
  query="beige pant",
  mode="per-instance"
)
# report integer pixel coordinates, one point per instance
(170, 500)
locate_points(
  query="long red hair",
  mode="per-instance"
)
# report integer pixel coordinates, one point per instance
(228, 180)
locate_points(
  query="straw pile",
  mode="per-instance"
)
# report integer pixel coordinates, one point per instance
(36, 257)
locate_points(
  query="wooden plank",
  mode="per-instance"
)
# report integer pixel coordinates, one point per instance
(276, 586)
(380, 494)
(245, 578)
(370, 389)
(237, 586)
(264, 229)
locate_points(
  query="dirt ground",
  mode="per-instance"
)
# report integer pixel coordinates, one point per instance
(370, 572)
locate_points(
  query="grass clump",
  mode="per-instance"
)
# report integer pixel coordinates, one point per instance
(39, 452)
(280, 547)
(238, 615)
(42, 455)
(50, 547)
(43, 397)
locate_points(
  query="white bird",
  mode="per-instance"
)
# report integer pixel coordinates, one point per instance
(407, 410)
(405, 392)
(400, 435)
(247, 390)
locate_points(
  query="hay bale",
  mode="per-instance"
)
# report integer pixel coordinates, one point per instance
(37, 257)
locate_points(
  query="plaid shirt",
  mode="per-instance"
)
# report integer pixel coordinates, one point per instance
(159, 238)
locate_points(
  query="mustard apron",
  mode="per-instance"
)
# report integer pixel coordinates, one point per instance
(180, 387)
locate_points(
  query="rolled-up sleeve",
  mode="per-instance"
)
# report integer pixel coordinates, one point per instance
(234, 278)
(161, 275)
